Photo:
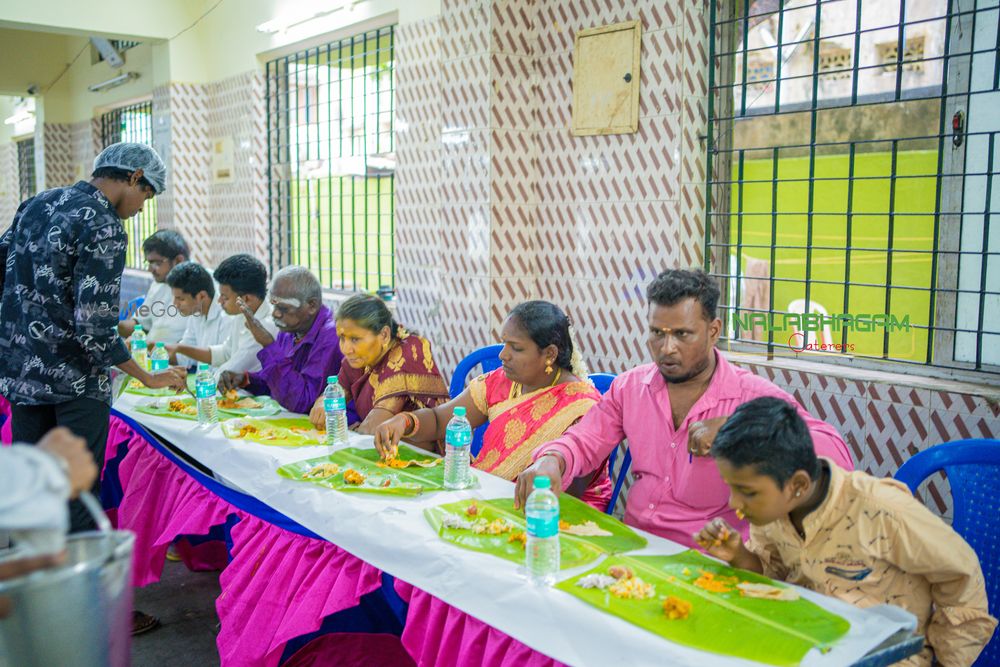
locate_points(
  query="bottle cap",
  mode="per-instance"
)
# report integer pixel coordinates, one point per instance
(460, 411)
(542, 482)
(159, 344)
(202, 366)
(138, 326)
(332, 379)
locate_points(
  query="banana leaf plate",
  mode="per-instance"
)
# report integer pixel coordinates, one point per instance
(496, 528)
(161, 407)
(409, 481)
(272, 432)
(771, 631)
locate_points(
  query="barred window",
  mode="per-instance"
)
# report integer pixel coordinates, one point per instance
(854, 199)
(332, 162)
(133, 123)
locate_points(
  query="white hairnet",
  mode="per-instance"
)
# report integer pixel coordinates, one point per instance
(133, 156)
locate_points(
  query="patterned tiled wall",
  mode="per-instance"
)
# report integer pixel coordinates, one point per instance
(238, 209)
(85, 144)
(217, 219)
(180, 135)
(59, 170)
(527, 209)
(419, 178)
(9, 190)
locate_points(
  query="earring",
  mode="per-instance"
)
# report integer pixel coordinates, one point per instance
(548, 368)
(798, 493)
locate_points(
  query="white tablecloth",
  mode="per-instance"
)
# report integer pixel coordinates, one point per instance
(392, 534)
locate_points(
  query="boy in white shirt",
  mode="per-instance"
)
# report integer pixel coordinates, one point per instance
(242, 281)
(207, 323)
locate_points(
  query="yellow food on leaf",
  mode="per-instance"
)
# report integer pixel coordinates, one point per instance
(715, 584)
(181, 407)
(518, 536)
(352, 476)
(620, 572)
(676, 609)
(247, 429)
(632, 588)
(321, 471)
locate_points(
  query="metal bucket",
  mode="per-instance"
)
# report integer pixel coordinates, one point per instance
(79, 613)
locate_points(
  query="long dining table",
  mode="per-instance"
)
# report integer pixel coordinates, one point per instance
(389, 534)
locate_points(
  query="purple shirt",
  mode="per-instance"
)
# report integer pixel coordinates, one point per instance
(672, 495)
(294, 374)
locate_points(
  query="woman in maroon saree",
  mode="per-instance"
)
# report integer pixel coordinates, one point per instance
(386, 369)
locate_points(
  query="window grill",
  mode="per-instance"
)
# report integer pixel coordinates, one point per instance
(331, 160)
(854, 198)
(26, 168)
(133, 123)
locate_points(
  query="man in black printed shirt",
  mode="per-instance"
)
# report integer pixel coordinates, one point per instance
(63, 257)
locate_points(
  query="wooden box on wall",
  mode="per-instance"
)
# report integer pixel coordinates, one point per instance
(606, 79)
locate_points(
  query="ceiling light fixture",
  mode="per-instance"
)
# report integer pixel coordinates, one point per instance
(111, 83)
(282, 24)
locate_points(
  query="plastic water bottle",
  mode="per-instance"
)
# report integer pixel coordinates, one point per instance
(139, 347)
(159, 361)
(542, 548)
(335, 406)
(204, 390)
(458, 440)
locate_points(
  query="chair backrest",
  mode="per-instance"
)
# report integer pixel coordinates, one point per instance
(602, 381)
(488, 359)
(973, 471)
(130, 308)
(618, 479)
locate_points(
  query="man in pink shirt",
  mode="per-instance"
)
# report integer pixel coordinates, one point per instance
(669, 411)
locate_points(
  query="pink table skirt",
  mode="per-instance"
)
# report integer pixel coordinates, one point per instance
(438, 634)
(5, 437)
(277, 586)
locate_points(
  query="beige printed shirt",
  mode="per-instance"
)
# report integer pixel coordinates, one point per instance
(871, 542)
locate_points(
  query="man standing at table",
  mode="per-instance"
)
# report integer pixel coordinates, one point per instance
(670, 411)
(295, 365)
(64, 255)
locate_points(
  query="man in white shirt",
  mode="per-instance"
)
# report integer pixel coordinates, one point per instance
(207, 323)
(242, 282)
(158, 316)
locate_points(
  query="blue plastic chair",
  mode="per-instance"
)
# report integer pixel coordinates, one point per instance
(130, 308)
(973, 471)
(602, 381)
(488, 359)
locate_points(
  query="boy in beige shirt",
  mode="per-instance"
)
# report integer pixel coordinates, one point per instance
(849, 535)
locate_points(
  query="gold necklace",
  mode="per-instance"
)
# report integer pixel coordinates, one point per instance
(517, 389)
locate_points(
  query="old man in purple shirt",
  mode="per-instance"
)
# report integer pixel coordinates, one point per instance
(295, 365)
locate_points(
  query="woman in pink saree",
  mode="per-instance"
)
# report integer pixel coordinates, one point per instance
(540, 391)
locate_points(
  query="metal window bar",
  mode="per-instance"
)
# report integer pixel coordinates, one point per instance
(331, 160)
(133, 123)
(26, 168)
(851, 218)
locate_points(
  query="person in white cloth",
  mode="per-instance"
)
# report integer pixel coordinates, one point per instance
(35, 483)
